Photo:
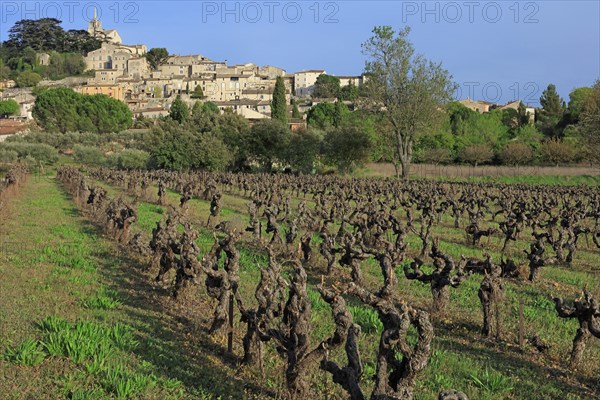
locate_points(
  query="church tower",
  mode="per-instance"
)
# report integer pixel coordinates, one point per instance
(95, 26)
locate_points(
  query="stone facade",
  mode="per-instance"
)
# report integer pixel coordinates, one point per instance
(304, 82)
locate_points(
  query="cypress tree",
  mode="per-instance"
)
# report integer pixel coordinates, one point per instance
(279, 103)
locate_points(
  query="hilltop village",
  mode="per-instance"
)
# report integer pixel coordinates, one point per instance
(123, 72)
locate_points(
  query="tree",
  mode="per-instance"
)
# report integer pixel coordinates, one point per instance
(179, 110)
(551, 102)
(267, 142)
(577, 101)
(279, 102)
(198, 93)
(303, 150)
(437, 156)
(63, 110)
(41, 35)
(551, 114)
(410, 88)
(56, 110)
(347, 148)
(28, 79)
(477, 154)
(516, 153)
(213, 154)
(349, 92)
(157, 57)
(8, 107)
(295, 112)
(555, 151)
(211, 107)
(590, 125)
(326, 86)
(327, 115)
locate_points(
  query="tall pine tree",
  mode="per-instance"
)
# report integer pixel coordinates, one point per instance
(551, 102)
(279, 103)
(551, 115)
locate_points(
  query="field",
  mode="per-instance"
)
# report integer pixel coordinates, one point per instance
(83, 316)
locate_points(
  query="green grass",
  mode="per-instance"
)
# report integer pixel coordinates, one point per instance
(28, 353)
(103, 299)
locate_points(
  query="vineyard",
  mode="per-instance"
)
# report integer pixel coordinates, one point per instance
(222, 285)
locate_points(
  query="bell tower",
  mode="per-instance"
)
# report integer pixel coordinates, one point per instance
(95, 25)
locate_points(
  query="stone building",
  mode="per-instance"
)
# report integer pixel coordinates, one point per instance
(304, 82)
(96, 31)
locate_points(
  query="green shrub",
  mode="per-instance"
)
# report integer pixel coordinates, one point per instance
(41, 153)
(8, 156)
(89, 155)
(130, 159)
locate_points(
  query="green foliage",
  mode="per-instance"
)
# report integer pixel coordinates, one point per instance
(213, 153)
(491, 381)
(326, 86)
(104, 299)
(303, 150)
(279, 110)
(588, 126)
(64, 110)
(8, 107)
(157, 57)
(349, 92)
(552, 112)
(367, 319)
(179, 110)
(198, 93)
(8, 156)
(84, 341)
(267, 142)
(40, 153)
(295, 112)
(125, 384)
(551, 102)
(28, 79)
(28, 353)
(65, 64)
(411, 88)
(347, 148)
(577, 102)
(211, 107)
(327, 115)
(178, 148)
(46, 34)
(131, 159)
(89, 155)
(173, 152)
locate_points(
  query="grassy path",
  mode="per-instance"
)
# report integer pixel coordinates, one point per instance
(77, 321)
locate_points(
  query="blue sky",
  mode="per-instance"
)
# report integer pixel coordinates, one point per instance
(496, 51)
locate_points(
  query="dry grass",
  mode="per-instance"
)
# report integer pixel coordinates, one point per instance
(432, 171)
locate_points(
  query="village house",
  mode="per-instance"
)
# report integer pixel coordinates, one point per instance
(529, 111)
(476, 105)
(304, 82)
(112, 90)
